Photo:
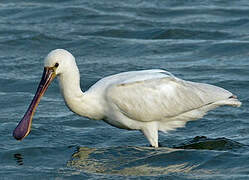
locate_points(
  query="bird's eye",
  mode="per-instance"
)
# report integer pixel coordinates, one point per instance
(56, 65)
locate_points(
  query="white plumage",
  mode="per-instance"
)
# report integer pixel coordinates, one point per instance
(148, 100)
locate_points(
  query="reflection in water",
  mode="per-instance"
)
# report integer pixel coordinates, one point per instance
(19, 159)
(132, 161)
(146, 161)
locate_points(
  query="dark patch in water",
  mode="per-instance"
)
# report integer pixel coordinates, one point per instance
(19, 159)
(202, 142)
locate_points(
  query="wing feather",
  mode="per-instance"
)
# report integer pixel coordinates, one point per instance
(162, 98)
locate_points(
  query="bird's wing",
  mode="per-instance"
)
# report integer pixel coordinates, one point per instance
(161, 98)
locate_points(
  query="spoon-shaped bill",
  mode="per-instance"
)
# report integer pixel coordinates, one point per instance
(23, 128)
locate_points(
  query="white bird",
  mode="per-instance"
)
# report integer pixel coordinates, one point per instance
(148, 100)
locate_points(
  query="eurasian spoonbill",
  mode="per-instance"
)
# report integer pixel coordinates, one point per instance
(148, 100)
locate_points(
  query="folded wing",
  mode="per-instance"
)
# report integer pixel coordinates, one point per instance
(163, 98)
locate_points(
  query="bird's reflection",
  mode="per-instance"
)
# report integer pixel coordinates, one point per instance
(19, 159)
(153, 161)
(119, 160)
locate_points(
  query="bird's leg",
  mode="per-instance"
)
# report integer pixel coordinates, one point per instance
(151, 133)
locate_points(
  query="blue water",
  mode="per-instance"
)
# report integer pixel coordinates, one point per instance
(202, 41)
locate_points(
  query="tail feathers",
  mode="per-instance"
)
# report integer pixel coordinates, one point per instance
(180, 120)
(231, 101)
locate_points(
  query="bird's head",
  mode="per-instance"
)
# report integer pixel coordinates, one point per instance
(57, 62)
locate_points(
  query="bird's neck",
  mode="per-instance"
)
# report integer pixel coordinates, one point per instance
(76, 100)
